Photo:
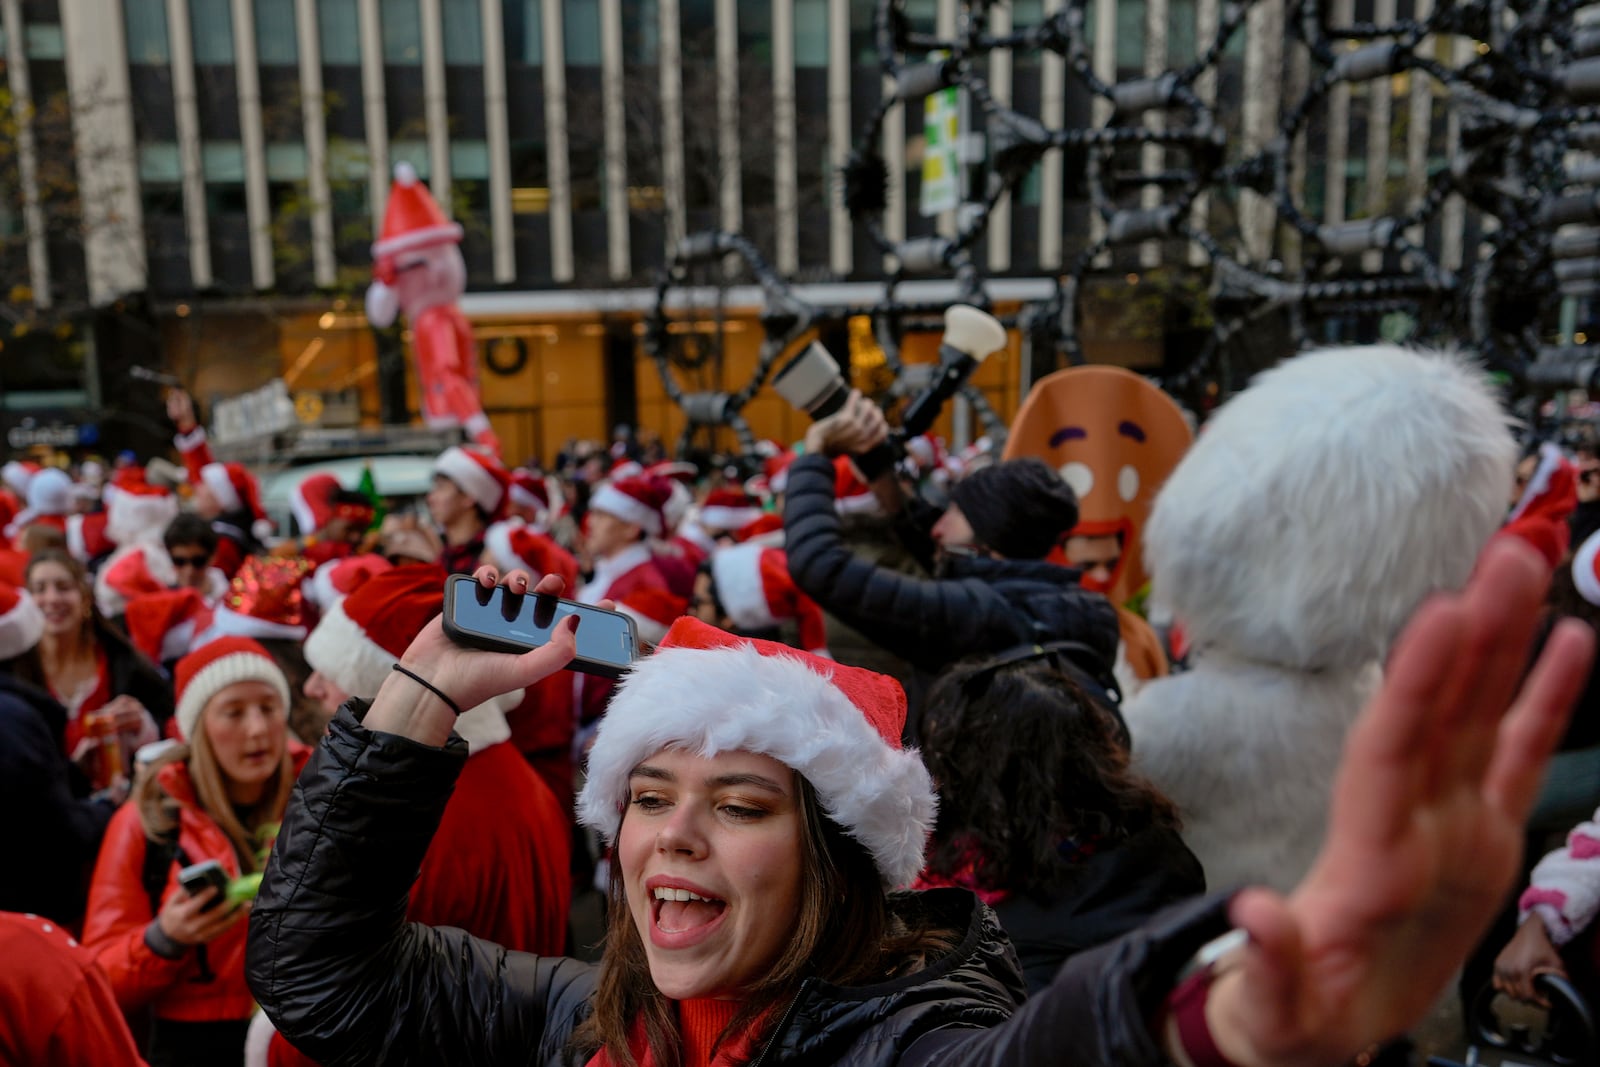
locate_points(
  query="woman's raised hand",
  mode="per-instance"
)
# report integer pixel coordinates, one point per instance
(1424, 833)
(196, 919)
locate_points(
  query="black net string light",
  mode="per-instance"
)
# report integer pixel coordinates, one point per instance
(1525, 99)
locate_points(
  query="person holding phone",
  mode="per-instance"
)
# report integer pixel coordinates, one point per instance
(763, 811)
(218, 796)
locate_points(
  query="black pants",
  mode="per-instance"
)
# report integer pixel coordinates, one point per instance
(180, 1044)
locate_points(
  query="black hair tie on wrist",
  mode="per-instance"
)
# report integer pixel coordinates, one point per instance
(430, 687)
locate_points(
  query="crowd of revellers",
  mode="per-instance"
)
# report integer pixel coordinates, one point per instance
(869, 797)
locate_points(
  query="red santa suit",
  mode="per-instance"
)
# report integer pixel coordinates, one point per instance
(56, 1005)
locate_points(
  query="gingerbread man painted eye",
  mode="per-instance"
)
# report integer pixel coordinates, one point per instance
(1080, 477)
(1128, 483)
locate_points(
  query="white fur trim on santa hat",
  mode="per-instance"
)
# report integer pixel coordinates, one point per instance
(230, 623)
(1584, 574)
(341, 650)
(742, 593)
(613, 501)
(736, 699)
(497, 541)
(457, 464)
(726, 519)
(21, 627)
(215, 477)
(216, 676)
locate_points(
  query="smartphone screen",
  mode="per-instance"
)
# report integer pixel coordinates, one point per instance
(603, 636)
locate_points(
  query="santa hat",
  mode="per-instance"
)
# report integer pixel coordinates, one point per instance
(709, 692)
(766, 530)
(755, 589)
(674, 470)
(163, 625)
(138, 511)
(776, 469)
(132, 572)
(204, 673)
(513, 545)
(412, 218)
(87, 538)
(338, 578)
(476, 474)
(21, 622)
(50, 492)
(236, 489)
(726, 510)
(679, 503)
(625, 468)
(313, 506)
(538, 494)
(265, 600)
(363, 636)
(1586, 569)
(1540, 516)
(17, 473)
(851, 494)
(653, 611)
(639, 501)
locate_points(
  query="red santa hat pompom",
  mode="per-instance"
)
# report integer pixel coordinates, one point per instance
(640, 501)
(363, 636)
(708, 692)
(653, 612)
(727, 510)
(476, 474)
(237, 490)
(755, 589)
(513, 546)
(204, 673)
(163, 624)
(21, 622)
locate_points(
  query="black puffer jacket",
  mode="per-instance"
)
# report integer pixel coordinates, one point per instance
(980, 606)
(339, 971)
(52, 830)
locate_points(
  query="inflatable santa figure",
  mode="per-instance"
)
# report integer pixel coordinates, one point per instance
(417, 269)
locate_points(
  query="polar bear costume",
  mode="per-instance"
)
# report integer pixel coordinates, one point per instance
(1316, 511)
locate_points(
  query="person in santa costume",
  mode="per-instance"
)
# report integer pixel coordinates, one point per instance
(542, 725)
(623, 516)
(417, 269)
(468, 494)
(152, 537)
(56, 1006)
(763, 812)
(499, 867)
(217, 796)
(225, 494)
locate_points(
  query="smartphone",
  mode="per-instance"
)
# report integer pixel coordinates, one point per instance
(501, 621)
(198, 878)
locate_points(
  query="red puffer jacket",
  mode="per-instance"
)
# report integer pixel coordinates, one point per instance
(119, 911)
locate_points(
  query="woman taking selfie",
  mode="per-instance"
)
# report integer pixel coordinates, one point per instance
(218, 796)
(115, 699)
(761, 808)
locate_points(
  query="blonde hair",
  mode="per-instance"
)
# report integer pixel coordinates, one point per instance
(158, 812)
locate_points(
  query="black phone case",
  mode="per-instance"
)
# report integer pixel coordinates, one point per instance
(473, 639)
(199, 882)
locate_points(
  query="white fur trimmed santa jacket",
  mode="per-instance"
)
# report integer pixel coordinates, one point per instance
(1564, 890)
(344, 977)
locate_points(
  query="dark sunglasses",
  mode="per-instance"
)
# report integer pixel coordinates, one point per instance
(1592, 474)
(190, 561)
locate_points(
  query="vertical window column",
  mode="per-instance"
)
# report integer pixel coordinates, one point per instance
(374, 101)
(557, 161)
(670, 65)
(436, 108)
(840, 238)
(786, 193)
(27, 152)
(186, 107)
(1052, 112)
(257, 207)
(616, 146)
(497, 133)
(1000, 86)
(731, 209)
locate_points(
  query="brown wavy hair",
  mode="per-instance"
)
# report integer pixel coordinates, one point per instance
(846, 934)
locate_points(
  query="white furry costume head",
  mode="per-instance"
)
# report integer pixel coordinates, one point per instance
(1321, 505)
(1316, 511)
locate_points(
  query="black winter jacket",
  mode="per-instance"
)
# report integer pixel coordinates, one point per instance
(133, 675)
(51, 831)
(980, 606)
(343, 975)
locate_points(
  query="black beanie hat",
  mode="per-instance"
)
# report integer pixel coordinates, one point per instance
(1019, 508)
